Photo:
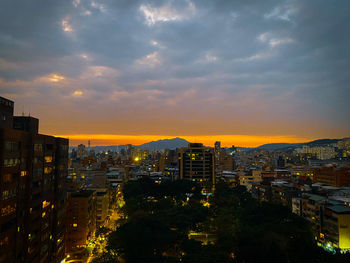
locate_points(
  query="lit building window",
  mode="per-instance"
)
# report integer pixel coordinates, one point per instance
(7, 178)
(7, 210)
(45, 204)
(48, 159)
(47, 170)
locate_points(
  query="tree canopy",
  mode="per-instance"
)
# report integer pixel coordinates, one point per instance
(160, 218)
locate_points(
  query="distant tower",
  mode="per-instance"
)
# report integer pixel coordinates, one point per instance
(89, 144)
(217, 145)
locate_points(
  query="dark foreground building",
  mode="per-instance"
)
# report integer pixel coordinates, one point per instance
(197, 163)
(32, 196)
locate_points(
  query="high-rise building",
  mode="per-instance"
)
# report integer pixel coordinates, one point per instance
(128, 149)
(197, 163)
(217, 146)
(32, 196)
(225, 162)
(81, 152)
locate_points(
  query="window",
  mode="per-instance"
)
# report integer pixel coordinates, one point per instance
(11, 146)
(37, 173)
(38, 160)
(7, 178)
(11, 162)
(7, 210)
(45, 203)
(48, 159)
(7, 194)
(47, 170)
(24, 173)
(38, 147)
(75, 225)
(49, 147)
(4, 241)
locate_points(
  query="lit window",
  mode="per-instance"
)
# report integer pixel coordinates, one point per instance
(48, 159)
(7, 178)
(45, 204)
(47, 170)
(24, 173)
(75, 225)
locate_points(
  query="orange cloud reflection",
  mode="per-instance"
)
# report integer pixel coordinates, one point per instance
(226, 140)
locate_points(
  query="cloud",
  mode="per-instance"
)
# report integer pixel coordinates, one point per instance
(77, 93)
(76, 3)
(66, 27)
(244, 66)
(268, 37)
(151, 60)
(98, 6)
(166, 13)
(283, 12)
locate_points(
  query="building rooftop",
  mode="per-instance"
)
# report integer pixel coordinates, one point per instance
(82, 193)
(340, 209)
(317, 198)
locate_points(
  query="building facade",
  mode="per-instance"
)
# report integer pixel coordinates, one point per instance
(81, 219)
(197, 163)
(32, 193)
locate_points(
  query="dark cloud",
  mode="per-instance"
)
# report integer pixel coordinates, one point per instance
(270, 62)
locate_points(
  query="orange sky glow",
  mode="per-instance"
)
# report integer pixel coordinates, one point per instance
(209, 140)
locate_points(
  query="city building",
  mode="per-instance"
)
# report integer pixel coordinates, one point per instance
(336, 227)
(32, 193)
(225, 161)
(80, 219)
(320, 152)
(102, 206)
(197, 163)
(333, 176)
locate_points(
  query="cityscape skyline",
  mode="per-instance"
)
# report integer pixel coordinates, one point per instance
(226, 140)
(174, 131)
(275, 71)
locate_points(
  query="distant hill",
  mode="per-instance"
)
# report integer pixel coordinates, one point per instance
(170, 144)
(280, 146)
(177, 142)
(277, 146)
(322, 142)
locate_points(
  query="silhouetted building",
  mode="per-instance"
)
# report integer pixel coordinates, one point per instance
(32, 196)
(81, 219)
(197, 163)
(280, 162)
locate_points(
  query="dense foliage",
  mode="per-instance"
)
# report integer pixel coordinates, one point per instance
(159, 218)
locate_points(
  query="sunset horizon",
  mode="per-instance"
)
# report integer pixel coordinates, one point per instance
(249, 141)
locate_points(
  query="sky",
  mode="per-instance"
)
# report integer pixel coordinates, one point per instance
(126, 71)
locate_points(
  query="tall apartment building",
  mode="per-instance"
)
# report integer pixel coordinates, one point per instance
(32, 195)
(81, 219)
(197, 163)
(321, 152)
